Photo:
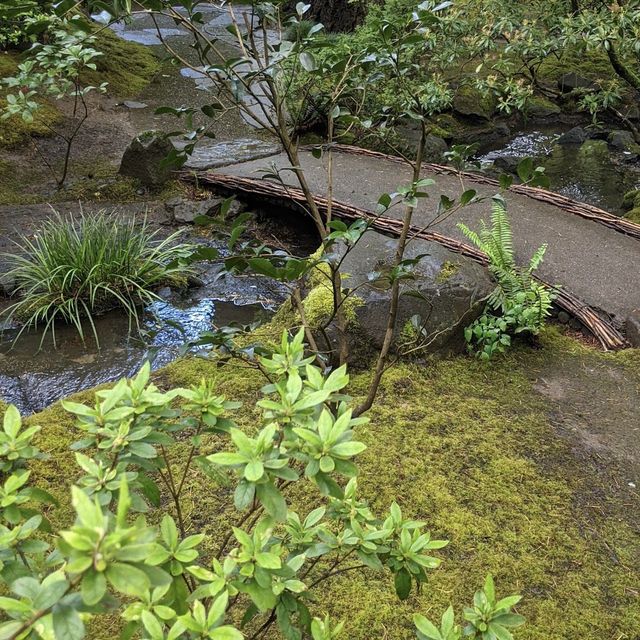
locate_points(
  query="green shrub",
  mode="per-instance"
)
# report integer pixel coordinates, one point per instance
(70, 271)
(20, 26)
(262, 563)
(519, 303)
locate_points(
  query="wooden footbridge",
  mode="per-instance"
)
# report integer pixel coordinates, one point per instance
(593, 256)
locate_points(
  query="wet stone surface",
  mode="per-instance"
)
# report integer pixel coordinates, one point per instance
(210, 154)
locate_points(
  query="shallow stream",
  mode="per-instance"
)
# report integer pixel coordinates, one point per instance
(590, 172)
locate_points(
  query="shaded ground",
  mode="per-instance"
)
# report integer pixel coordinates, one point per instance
(594, 399)
(590, 260)
(112, 124)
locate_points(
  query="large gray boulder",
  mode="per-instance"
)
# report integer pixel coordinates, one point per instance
(448, 292)
(577, 135)
(144, 159)
(435, 148)
(623, 141)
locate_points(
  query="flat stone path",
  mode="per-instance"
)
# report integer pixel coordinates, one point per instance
(597, 264)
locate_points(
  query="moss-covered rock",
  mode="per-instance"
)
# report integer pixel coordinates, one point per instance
(591, 65)
(540, 107)
(631, 199)
(469, 101)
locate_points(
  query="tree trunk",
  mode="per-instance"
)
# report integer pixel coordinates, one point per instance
(337, 16)
(624, 71)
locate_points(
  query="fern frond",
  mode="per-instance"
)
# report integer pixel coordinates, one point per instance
(537, 258)
(472, 235)
(501, 232)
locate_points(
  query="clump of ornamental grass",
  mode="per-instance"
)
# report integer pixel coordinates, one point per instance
(71, 271)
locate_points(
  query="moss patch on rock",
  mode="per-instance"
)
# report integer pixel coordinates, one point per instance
(447, 271)
(318, 306)
(540, 107)
(469, 101)
(592, 65)
(470, 449)
(631, 204)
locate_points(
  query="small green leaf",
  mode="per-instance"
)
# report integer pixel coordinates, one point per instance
(402, 582)
(254, 471)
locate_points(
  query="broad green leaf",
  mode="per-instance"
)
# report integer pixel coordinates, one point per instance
(127, 579)
(272, 500)
(93, 587)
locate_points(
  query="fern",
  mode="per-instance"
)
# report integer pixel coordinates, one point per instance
(522, 302)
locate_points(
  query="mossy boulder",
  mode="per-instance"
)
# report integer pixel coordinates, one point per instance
(471, 102)
(540, 107)
(446, 293)
(623, 141)
(631, 200)
(145, 159)
(570, 81)
(631, 204)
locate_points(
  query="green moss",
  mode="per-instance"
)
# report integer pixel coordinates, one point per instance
(540, 107)
(592, 65)
(469, 101)
(631, 200)
(631, 203)
(101, 182)
(8, 63)
(470, 449)
(318, 306)
(447, 271)
(13, 186)
(15, 131)
(127, 66)
(633, 215)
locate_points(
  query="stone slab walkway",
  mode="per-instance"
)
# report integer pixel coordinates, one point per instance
(597, 264)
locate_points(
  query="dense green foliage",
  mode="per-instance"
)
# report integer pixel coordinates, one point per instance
(71, 271)
(22, 23)
(266, 567)
(493, 56)
(519, 304)
(450, 443)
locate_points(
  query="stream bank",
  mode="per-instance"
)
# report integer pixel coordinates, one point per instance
(33, 376)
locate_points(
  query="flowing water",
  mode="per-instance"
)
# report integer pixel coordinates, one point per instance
(33, 375)
(590, 172)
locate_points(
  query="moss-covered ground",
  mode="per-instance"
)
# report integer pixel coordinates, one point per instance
(472, 450)
(127, 67)
(14, 131)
